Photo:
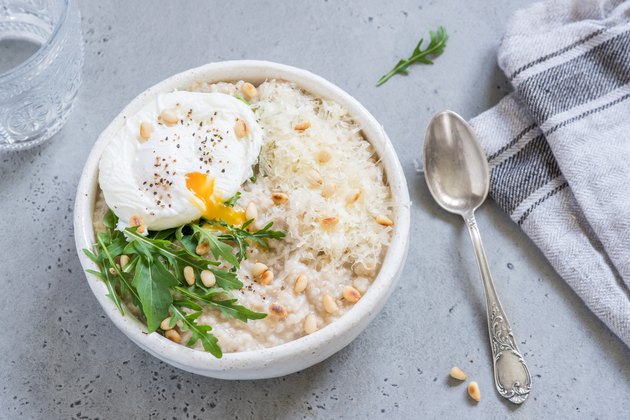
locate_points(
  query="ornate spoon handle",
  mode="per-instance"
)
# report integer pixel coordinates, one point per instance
(511, 375)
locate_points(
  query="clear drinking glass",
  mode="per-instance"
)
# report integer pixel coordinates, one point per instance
(36, 95)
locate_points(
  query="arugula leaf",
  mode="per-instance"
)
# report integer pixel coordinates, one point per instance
(117, 245)
(110, 220)
(226, 306)
(106, 260)
(152, 281)
(177, 257)
(434, 49)
(232, 201)
(218, 248)
(111, 292)
(226, 280)
(198, 332)
(242, 237)
(166, 234)
(91, 256)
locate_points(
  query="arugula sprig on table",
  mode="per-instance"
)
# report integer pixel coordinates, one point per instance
(154, 278)
(436, 46)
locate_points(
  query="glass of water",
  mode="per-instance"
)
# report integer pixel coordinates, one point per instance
(41, 58)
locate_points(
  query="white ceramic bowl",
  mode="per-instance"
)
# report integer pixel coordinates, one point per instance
(295, 355)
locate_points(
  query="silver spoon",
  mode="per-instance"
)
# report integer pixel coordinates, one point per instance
(456, 171)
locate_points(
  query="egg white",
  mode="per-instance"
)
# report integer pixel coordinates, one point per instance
(149, 178)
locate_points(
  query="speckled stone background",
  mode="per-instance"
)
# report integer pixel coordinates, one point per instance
(61, 358)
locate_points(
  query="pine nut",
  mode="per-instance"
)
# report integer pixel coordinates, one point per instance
(136, 220)
(266, 278)
(278, 310)
(329, 222)
(189, 275)
(353, 197)
(473, 391)
(207, 278)
(384, 220)
(202, 248)
(310, 324)
(323, 156)
(165, 324)
(301, 126)
(168, 117)
(249, 90)
(251, 212)
(279, 198)
(314, 178)
(240, 128)
(258, 269)
(351, 294)
(328, 190)
(330, 305)
(300, 283)
(173, 336)
(124, 260)
(145, 131)
(457, 373)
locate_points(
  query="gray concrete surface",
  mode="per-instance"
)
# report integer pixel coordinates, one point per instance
(61, 358)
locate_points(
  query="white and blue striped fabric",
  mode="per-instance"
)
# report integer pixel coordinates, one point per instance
(559, 145)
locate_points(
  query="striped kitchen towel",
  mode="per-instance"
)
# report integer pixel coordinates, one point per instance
(559, 145)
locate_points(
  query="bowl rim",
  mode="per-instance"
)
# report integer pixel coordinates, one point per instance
(369, 305)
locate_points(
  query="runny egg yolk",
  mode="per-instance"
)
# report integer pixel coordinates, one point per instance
(202, 186)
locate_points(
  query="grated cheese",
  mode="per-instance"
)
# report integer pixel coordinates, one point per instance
(288, 162)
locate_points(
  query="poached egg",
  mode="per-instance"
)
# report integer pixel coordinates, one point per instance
(179, 158)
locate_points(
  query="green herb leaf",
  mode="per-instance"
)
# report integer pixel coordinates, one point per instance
(434, 49)
(152, 281)
(110, 220)
(111, 292)
(177, 257)
(243, 237)
(166, 234)
(218, 248)
(229, 307)
(226, 306)
(226, 280)
(107, 264)
(95, 273)
(116, 245)
(198, 332)
(91, 256)
(232, 201)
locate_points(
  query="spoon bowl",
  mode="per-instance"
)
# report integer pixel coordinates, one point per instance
(455, 165)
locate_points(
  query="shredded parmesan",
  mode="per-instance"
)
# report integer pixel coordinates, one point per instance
(288, 162)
